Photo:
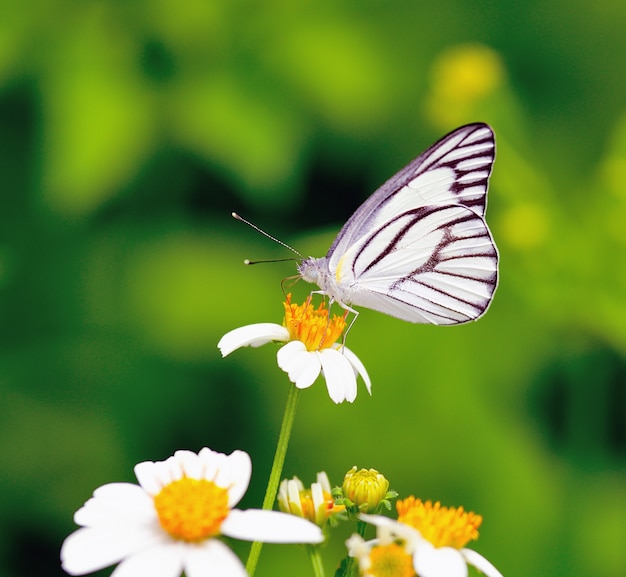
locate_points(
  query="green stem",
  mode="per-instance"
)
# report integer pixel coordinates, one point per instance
(361, 527)
(316, 560)
(277, 469)
(350, 568)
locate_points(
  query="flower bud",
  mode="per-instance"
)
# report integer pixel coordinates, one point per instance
(365, 488)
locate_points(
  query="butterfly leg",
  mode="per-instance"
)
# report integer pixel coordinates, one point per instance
(288, 282)
(356, 315)
(346, 308)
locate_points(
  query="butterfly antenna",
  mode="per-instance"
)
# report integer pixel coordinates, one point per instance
(280, 242)
(248, 261)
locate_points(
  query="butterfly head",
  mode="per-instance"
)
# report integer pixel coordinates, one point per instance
(310, 270)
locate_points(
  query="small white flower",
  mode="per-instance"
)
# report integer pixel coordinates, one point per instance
(432, 535)
(315, 504)
(311, 349)
(171, 522)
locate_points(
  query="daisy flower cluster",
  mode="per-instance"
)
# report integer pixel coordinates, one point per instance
(179, 517)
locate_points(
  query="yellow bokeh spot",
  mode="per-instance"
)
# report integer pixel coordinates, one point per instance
(442, 526)
(463, 77)
(312, 326)
(525, 226)
(192, 509)
(467, 72)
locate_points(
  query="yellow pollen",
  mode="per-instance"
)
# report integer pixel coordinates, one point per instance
(192, 509)
(390, 561)
(442, 526)
(312, 326)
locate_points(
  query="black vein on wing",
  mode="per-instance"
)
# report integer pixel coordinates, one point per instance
(486, 156)
(435, 259)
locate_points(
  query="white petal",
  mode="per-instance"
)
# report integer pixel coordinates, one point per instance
(282, 497)
(317, 495)
(235, 475)
(478, 561)
(232, 471)
(270, 527)
(253, 336)
(212, 558)
(116, 503)
(359, 367)
(146, 473)
(339, 375)
(360, 550)
(229, 471)
(212, 463)
(302, 366)
(322, 479)
(294, 486)
(90, 549)
(153, 476)
(356, 546)
(429, 561)
(171, 469)
(164, 561)
(190, 464)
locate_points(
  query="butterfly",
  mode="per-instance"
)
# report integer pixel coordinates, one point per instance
(419, 247)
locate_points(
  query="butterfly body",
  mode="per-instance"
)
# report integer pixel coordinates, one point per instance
(419, 247)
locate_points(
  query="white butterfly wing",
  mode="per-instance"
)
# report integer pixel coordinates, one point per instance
(454, 170)
(435, 264)
(419, 248)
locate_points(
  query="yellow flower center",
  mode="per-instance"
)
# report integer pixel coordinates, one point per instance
(312, 326)
(390, 561)
(442, 526)
(192, 509)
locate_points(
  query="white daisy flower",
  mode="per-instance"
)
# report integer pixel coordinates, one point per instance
(434, 537)
(171, 522)
(312, 348)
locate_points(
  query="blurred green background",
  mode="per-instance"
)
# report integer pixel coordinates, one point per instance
(128, 133)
